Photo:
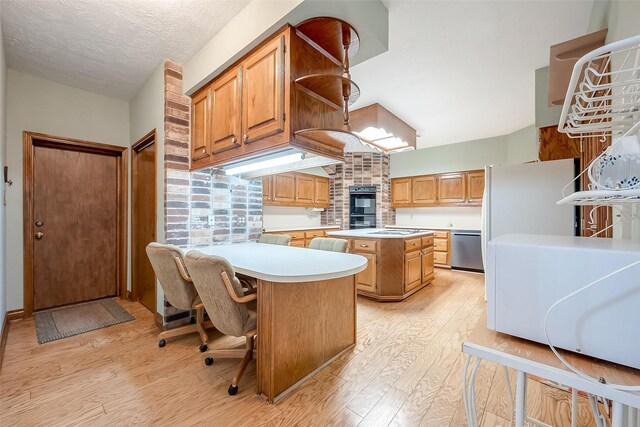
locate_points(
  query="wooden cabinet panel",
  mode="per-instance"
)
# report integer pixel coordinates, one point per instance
(226, 106)
(297, 243)
(427, 242)
(364, 245)
(304, 189)
(200, 125)
(441, 244)
(321, 191)
(314, 233)
(440, 258)
(412, 244)
(424, 190)
(475, 187)
(267, 189)
(400, 192)
(263, 92)
(427, 263)
(284, 187)
(451, 188)
(441, 234)
(366, 280)
(412, 271)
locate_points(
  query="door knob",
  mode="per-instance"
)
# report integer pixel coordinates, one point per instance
(39, 235)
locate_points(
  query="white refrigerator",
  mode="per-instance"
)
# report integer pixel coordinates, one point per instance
(522, 199)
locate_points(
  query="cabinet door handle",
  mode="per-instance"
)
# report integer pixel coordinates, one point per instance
(245, 137)
(234, 140)
(204, 151)
(364, 246)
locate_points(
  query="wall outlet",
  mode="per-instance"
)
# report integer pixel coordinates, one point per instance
(211, 219)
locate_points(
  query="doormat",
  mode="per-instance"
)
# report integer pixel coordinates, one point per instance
(62, 322)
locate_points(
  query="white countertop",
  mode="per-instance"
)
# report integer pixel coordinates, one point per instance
(413, 227)
(277, 263)
(366, 233)
(321, 227)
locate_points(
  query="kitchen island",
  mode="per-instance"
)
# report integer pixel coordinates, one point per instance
(399, 262)
(306, 308)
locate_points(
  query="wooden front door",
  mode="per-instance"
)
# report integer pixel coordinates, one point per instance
(75, 196)
(143, 219)
(75, 227)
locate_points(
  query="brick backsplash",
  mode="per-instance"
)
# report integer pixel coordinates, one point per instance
(359, 169)
(191, 197)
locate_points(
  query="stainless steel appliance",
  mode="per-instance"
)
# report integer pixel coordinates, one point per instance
(362, 206)
(466, 250)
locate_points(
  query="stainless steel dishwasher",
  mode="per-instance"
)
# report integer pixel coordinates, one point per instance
(466, 250)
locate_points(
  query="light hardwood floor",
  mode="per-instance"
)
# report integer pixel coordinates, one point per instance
(404, 371)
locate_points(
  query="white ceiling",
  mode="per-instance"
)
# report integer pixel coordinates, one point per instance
(108, 47)
(464, 70)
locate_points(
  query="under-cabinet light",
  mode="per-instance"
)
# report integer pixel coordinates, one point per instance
(267, 163)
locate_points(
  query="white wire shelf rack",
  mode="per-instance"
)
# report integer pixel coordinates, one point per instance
(602, 197)
(603, 98)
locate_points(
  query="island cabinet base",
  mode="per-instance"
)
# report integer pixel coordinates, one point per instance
(301, 327)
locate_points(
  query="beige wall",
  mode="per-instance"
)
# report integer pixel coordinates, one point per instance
(3, 151)
(38, 105)
(146, 112)
(518, 147)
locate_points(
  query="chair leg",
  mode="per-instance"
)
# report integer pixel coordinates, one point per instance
(200, 324)
(245, 362)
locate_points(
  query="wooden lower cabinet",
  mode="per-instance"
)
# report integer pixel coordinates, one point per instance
(303, 238)
(396, 268)
(412, 271)
(366, 280)
(442, 248)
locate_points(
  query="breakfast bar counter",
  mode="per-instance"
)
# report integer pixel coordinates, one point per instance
(306, 308)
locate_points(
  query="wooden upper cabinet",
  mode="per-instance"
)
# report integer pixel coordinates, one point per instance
(401, 191)
(226, 107)
(424, 190)
(321, 191)
(284, 187)
(200, 125)
(451, 188)
(475, 187)
(304, 189)
(267, 188)
(263, 92)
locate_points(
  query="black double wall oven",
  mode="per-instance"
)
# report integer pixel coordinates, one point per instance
(362, 206)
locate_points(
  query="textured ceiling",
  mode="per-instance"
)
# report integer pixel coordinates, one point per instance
(464, 70)
(107, 46)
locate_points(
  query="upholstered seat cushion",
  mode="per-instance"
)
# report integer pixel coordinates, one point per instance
(329, 244)
(275, 239)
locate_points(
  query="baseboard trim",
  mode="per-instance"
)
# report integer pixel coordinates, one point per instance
(3, 337)
(15, 315)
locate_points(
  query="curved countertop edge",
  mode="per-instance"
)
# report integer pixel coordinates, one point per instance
(241, 262)
(364, 234)
(302, 279)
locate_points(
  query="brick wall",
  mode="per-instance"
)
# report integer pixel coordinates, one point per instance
(359, 169)
(191, 197)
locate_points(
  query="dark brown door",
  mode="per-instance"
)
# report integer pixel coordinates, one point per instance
(143, 215)
(75, 226)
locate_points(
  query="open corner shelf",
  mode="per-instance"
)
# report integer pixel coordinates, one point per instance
(330, 35)
(329, 88)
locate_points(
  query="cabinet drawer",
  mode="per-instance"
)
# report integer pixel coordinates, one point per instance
(412, 244)
(365, 245)
(296, 235)
(313, 233)
(297, 243)
(440, 245)
(427, 241)
(441, 234)
(440, 257)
